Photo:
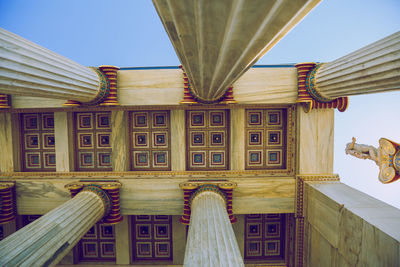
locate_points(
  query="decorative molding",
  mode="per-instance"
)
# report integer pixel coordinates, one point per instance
(147, 175)
(7, 202)
(194, 187)
(301, 212)
(108, 191)
(308, 94)
(137, 108)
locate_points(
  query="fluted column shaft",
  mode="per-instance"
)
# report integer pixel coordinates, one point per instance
(45, 241)
(372, 69)
(31, 70)
(211, 240)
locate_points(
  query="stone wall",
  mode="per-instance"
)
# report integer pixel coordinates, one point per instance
(345, 227)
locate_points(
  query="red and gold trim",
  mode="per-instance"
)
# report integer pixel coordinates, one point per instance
(107, 94)
(308, 94)
(7, 204)
(108, 191)
(189, 98)
(228, 97)
(111, 73)
(194, 187)
(4, 101)
(114, 216)
(187, 95)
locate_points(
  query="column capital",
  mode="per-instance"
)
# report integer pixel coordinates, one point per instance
(195, 187)
(189, 96)
(103, 91)
(108, 191)
(207, 188)
(308, 93)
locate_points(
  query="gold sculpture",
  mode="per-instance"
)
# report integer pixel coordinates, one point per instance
(386, 156)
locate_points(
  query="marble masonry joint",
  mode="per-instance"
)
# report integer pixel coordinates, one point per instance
(194, 187)
(108, 191)
(308, 93)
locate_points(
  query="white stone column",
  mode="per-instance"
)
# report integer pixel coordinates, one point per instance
(211, 240)
(372, 69)
(45, 241)
(31, 70)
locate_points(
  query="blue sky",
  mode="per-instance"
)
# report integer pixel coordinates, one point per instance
(129, 33)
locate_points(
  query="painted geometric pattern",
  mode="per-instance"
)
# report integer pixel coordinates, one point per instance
(265, 139)
(207, 139)
(150, 140)
(265, 237)
(98, 244)
(38, 142)
(93, 141)
(151, 237)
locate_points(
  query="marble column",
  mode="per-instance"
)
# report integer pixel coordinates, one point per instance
(31, 70)
(45, 241)
(372, 69)
(211, 240)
